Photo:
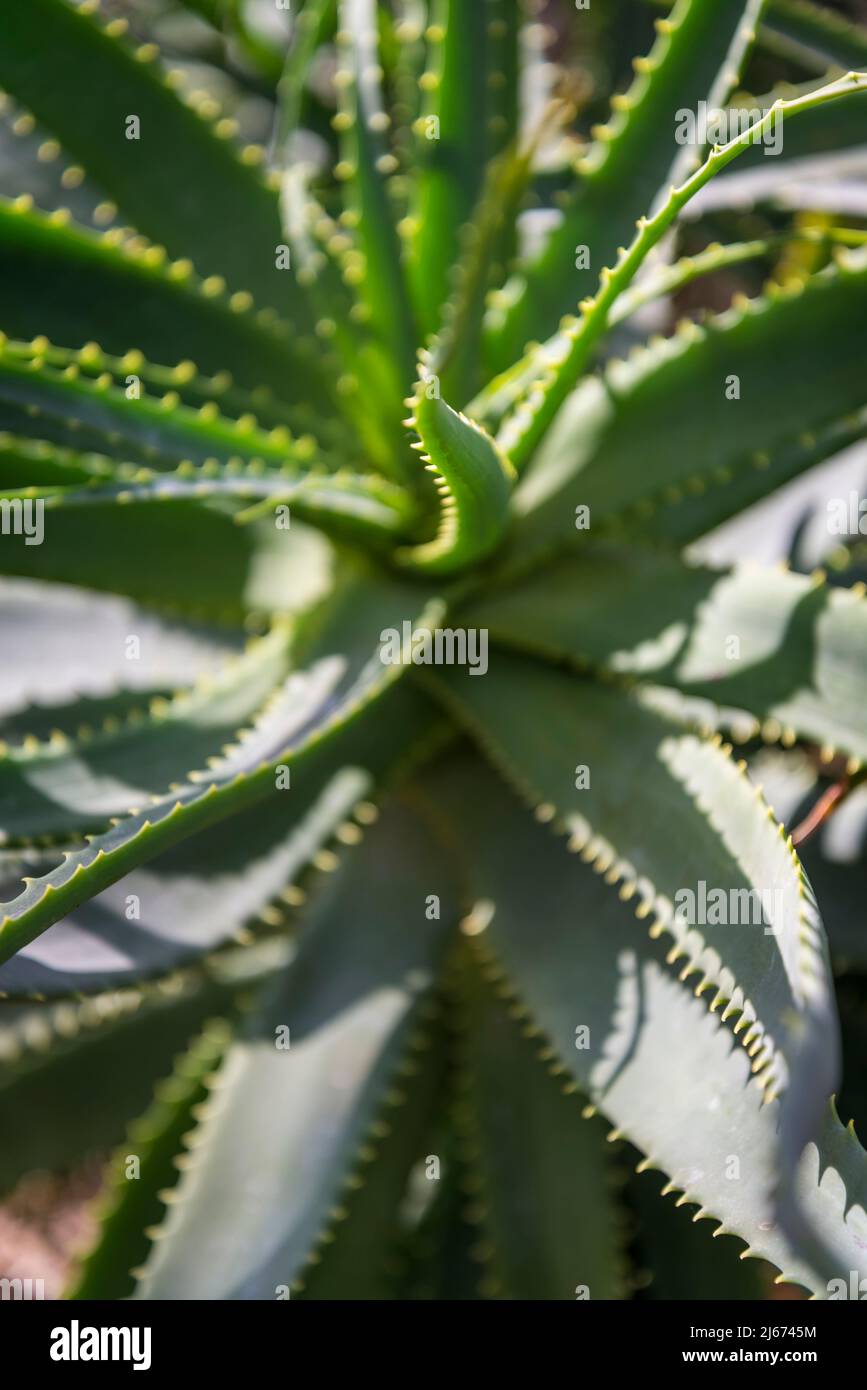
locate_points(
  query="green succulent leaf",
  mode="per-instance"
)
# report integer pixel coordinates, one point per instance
(290, 734)
(681, 1259)
(620, 445)
(57, 788)
(73, 1074)
(473, 480)
(505, 392)
(649, 1054)
(469, 115)
(810, 169)
(366, 161)
(343, 1045)
(156, 429)
(72, 286)
(314, 25)
(137, 1196)
(697, 56)
(456, 352)
(167, 913)
(174, 200)
(442, 1253)
(531, 1149)
(797, 784)
(781, 646)
(365, 1257)
(262, 569)
(533, 415)
(358, 506)
(692, 819)
(829, 38)
(86, 634)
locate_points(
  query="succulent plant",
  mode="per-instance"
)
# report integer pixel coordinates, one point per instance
(382, 885)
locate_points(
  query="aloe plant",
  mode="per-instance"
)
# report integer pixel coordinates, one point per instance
(379, 870)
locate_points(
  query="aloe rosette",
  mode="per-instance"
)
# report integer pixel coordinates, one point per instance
(376, 973)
